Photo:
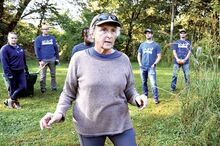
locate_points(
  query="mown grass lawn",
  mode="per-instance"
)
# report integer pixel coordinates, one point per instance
(155, 125)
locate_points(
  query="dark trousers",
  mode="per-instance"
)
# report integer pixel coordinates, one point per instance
(17, 84)
(127, 138)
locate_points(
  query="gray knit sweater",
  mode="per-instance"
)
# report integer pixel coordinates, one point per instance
(101, 90)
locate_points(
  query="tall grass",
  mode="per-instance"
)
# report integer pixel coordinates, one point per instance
(200, 105)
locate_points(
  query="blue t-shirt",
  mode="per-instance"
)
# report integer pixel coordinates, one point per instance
(46, 47)
(148, 53)
(80, 47)
(182, 48)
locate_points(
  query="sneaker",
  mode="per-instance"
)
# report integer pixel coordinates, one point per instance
(156, 101)
(6, 102)
(10, 103)
(17, 105)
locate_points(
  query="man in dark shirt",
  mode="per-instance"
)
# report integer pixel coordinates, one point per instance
(87, 42)
(47, 53)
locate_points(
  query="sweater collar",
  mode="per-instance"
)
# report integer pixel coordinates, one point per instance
(91, 51)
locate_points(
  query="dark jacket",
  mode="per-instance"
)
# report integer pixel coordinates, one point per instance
(12, 58)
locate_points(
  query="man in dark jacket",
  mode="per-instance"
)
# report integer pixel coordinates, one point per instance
(87, 42)
(47, 54)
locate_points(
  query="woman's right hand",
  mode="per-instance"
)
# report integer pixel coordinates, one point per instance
(49, 119)
(141, 101)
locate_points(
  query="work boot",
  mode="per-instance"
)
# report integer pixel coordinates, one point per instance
(10, 103)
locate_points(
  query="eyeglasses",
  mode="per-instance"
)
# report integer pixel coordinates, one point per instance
(103, 17)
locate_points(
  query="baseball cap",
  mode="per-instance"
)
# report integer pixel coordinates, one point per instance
(148, 30)
(105, 18)
(182, 30)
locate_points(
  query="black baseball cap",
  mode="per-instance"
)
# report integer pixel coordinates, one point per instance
(105, 18)
(182, 30)
(148, 30)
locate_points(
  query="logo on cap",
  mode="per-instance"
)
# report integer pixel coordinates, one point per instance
(148, 30)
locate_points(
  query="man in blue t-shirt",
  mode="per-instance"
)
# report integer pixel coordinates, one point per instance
(149, 54)
(47, 54)
(87, 42)
(182, 49)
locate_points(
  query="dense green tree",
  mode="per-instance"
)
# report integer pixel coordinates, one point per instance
(10, 14)
(201, 19)
(136, 17)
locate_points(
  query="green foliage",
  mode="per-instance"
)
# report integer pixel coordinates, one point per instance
(72, 34)
(135, 18)
(200, 114)
(200, 18)
(26, 35)
(208, 55)
(10, 13)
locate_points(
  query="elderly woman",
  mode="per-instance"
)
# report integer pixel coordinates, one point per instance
(14, 68)
(101, 82)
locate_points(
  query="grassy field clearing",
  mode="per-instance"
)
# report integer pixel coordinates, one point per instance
(155, 125)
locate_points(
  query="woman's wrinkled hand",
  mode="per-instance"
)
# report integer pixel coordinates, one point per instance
(49, 119)
(141, 101)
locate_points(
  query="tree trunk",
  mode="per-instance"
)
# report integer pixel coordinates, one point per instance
(171, 28)
(135, 16)
(7, 26)
(172, 22)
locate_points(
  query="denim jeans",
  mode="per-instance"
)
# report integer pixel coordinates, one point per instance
(17, 84)
(52, 67)
(151, 73)
(176, 67)
(127, 138)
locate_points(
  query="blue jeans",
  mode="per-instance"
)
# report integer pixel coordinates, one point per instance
(127, 138)
(151, 73)
(176, 67)
(17, 84)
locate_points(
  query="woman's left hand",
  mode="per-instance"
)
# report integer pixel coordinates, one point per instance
(49, 119)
